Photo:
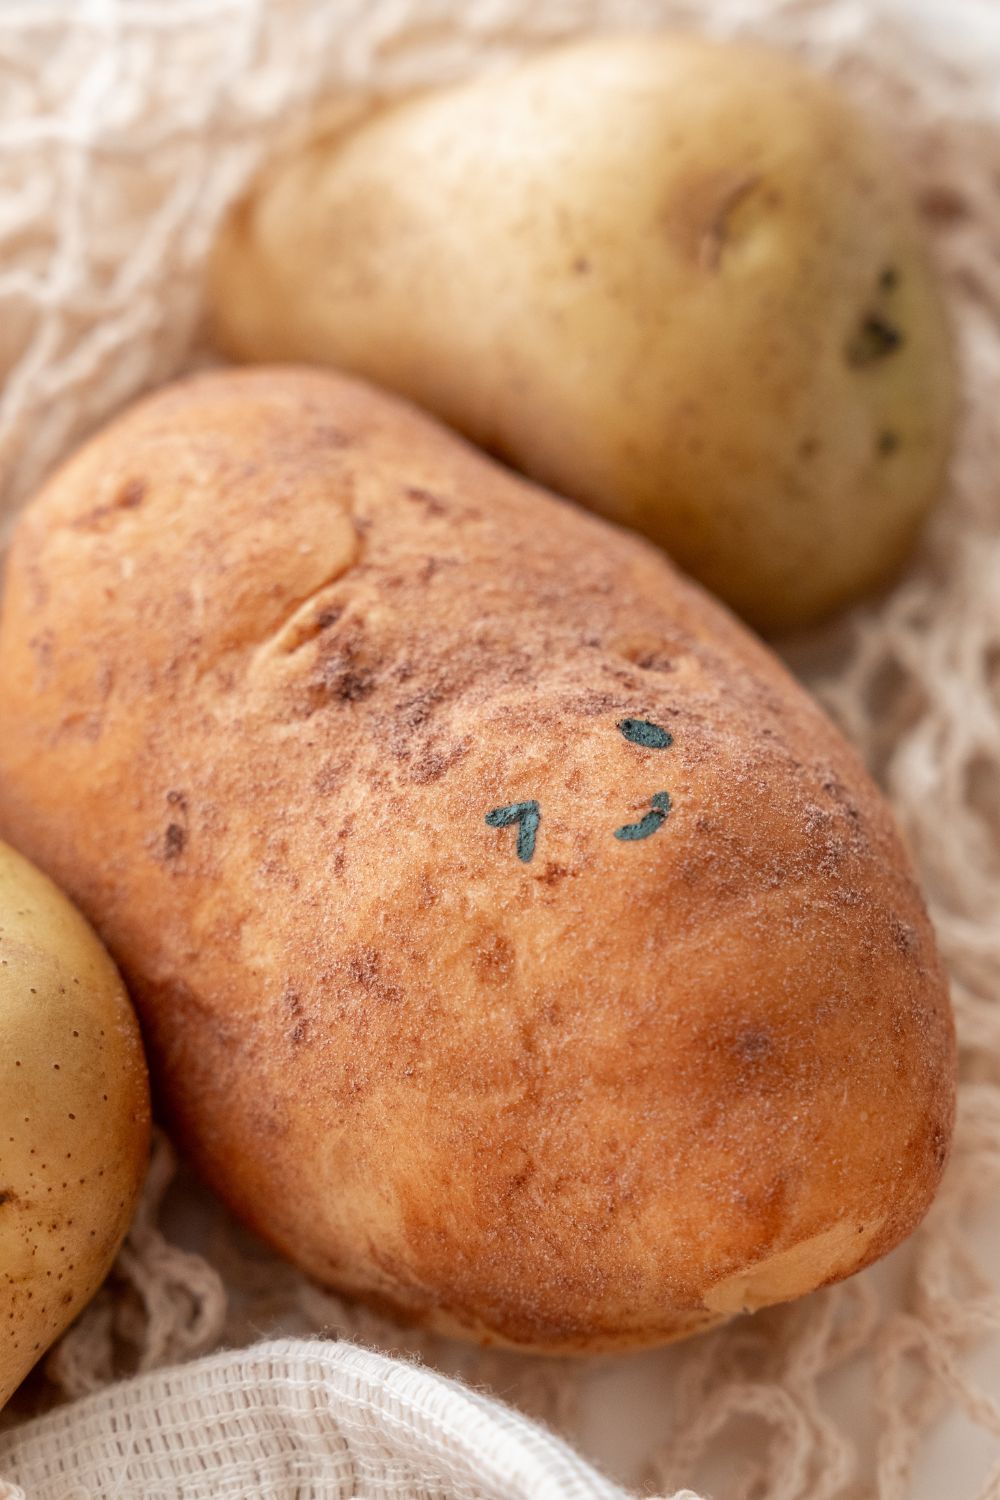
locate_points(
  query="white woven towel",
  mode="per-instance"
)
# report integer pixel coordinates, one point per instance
(293, 1420)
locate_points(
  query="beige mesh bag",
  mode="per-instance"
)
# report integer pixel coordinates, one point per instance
(126, 126)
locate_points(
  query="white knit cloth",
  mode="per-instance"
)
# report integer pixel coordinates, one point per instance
(293, 1420)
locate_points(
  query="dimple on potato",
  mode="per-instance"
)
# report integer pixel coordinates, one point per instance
(74, 1115)
(681, 282)
(517, 946)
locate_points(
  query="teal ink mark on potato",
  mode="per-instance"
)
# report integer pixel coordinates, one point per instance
(527, 815)
(642, 732)
(650, 823)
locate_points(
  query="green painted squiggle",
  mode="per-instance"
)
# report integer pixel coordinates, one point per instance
(650, 823)
(527, 815)
(642, 732)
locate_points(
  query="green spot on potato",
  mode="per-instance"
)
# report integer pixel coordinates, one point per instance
(642, 732)
(527, 815)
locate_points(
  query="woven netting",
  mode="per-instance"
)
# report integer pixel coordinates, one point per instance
(125, 130)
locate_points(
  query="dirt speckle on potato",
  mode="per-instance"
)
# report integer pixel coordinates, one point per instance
(174, 840)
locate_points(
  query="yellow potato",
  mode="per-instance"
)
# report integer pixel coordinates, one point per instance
(517, 946)
(677, 281)
(74, 1115)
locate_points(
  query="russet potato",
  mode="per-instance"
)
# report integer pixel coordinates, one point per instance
(517, 946)
(74, 1114)
(681, 282)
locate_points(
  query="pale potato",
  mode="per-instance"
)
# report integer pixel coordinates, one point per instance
(517, 946)
(680, 282)
(74, 1114)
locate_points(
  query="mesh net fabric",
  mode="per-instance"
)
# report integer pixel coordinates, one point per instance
(125, 129)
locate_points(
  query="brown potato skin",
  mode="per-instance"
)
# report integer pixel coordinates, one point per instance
(271, 648)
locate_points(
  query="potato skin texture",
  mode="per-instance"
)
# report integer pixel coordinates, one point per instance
(580, 1102)
(74, 1115)
(678, 281)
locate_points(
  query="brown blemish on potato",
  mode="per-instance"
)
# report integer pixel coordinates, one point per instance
(129, 496)
(343, 681)
(364, 968)
(345, 672)
(647, 653)
(940, 1144)
(291, 1000)
(417, 709)
(308, 624)
(431, 764)
(876, 337)
(432, 504)
(753, 1044)
(494, 958)
(174, 840)
(944, 204)
(330, 775)
(904, 935)
(722, 194)
(300, 616)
